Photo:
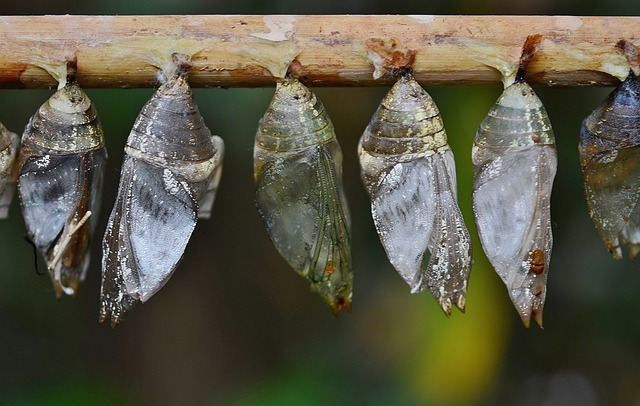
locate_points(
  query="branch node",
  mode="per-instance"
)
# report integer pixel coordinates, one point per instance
(529, 49)
(632, 53)
(387, 58)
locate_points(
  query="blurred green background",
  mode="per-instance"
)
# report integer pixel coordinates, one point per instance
(236, 326)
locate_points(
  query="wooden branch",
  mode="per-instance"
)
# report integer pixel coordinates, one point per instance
(250, 51)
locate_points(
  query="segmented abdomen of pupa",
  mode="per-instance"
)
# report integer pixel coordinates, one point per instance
(9, 146)
(170, 132)
(610, 160)
(299, 191)
(514, 159)
(409, 172)
(168, 179)
(62, 162)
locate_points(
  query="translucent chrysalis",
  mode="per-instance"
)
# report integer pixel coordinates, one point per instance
(610, 160)
(299, 192)
(514, 159)
(62, 162)
(409, 172)
(169, 177)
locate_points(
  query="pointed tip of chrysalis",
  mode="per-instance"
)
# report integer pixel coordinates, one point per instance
(114, 310)
(69, 287)
(337, 303)
(336, 295)
(537, 314)
(615, 250)
(113, 320)
(445, 304)
(634, 250)
(341, 304)
(461, 303)
(448, 300)
(533, 312)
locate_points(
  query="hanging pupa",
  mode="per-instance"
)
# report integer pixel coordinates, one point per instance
(610, 159)
(62, 162)
(409, 172)
(299, 192)
(168, 180)
(9, 146)
(514, 160)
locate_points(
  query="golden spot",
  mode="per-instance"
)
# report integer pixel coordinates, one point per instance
(536, 261)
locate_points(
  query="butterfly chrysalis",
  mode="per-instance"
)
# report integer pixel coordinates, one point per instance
(169, 177)
(514, 159)
(409, 172)
(609, 148)
(299, 192)
(62, 162)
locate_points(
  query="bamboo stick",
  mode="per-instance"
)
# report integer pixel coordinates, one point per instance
(328, 50)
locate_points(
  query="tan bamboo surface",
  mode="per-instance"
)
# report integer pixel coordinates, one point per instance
(324, 50)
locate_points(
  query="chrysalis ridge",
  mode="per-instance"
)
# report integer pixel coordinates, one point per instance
(168, 179)
(408, 170)
(62, 163)
(299, 192)
(514, 159)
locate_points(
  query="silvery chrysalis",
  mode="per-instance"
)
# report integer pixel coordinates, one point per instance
(514, 159)
(409, 172)
(169, 177)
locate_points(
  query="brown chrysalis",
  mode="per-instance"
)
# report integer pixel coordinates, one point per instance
(62, 162)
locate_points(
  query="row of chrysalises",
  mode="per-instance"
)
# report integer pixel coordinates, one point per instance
(172, 167)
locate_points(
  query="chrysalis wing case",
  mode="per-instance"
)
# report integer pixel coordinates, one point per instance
(409, 172)
(169, 176)
(62, 163)
(9, 145)
(610, 159)
(299, 193)
(514, 159)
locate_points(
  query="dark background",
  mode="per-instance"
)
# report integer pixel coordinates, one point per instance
(236, 326)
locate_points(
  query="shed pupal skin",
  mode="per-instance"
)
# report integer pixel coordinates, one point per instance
(9, 147)
(62, 162)
(609, 156)
(299, 191)
(515, 162)
(408, 169)
(169, 178)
